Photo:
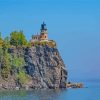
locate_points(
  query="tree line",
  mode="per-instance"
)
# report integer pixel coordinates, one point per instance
(13, 64)
(17, 38)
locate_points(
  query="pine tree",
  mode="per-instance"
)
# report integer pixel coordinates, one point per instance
(1, 40)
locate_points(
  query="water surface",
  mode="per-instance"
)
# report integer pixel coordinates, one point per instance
(90, 92)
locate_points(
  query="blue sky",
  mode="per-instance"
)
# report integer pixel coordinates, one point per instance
(74, 24)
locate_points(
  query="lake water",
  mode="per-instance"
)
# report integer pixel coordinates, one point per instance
(90, 92)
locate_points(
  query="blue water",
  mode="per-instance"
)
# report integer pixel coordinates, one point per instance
(90, 92)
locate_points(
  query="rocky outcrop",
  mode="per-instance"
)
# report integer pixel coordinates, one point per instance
(44, 66)
(74, 85)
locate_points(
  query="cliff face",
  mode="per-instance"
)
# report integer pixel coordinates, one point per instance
(44, 67)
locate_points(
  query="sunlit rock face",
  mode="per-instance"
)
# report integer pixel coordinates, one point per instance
(45, 66)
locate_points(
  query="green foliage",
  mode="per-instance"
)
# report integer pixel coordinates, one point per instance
(6, 44)
(12, 64)
(1, 56)
(17, 62)
(22, 77)
(1, 40)
(7, 41)
(29, 44)
(36, 43)
(1, 53)
(6, 65)
(18, 39)
(52, 43)
(44, 43)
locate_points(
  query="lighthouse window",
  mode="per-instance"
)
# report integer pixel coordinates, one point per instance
(45, 36)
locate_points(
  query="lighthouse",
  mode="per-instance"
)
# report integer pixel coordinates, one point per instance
(43, 32)
(42, 37)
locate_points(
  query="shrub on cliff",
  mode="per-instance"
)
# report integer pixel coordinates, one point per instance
(17, 62)
(17, 68)
(22, 77)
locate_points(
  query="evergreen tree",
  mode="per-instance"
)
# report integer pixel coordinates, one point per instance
(18, 38)
(6, 65)
(1, 40)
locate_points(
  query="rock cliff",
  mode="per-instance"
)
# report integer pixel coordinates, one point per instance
(44, 66)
